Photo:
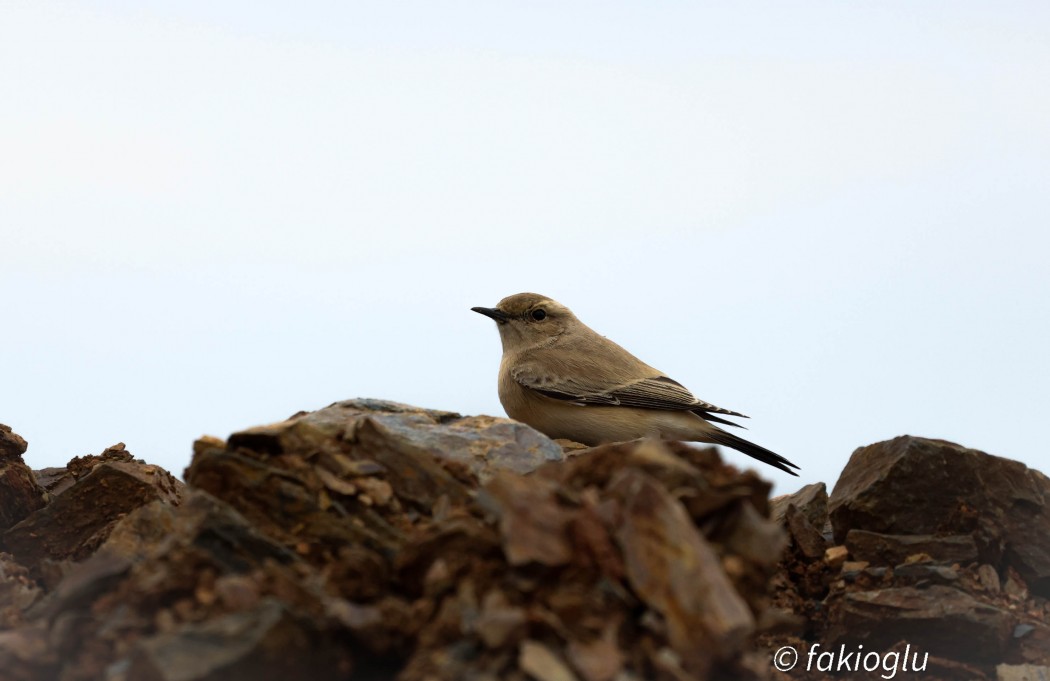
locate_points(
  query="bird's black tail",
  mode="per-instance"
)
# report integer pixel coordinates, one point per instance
(751, 449)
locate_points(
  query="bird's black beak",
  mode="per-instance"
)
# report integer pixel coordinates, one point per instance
(493, 313)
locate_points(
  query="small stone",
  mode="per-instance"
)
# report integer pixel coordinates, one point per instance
(542, 664)
(835, 556)
(989, 578)
(1022, 672)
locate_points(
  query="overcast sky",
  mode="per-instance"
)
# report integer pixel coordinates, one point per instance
(831, 216)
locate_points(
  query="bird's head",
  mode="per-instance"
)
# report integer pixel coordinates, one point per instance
(526, 320)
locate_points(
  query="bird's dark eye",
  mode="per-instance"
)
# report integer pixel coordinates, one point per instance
(539, 315)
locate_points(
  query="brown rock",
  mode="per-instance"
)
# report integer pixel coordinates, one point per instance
(597, 660)
(912, 485)
(17, 591)
(940, 620)
(79, 519)
(266, 643)
(924, 573)
(811, 501)
(1030, 643)
(836, 556)
(676, 572)
(542, 663)
(805, 536)
(893, 549)
(533, 524)
(19, 493)
(989, 578)
(482, 444)
(1022, 672)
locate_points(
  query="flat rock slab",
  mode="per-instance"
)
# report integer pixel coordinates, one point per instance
(483, 444)
(912, 485)
(940, 620)
(893, 549)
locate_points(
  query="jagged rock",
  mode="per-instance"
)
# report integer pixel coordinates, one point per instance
(19, 493)
(673, 569)
(894, 549)
(378, 462)
(380, 541)
(811, 501)
(79, 519)
(805, 536)
(912, 485)
(939, 619)
(533, 524)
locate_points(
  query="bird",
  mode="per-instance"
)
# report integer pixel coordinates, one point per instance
(565, 380)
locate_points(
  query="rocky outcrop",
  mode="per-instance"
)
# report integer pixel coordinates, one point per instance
(915, 486)
(938, 547)
(379, 541)
(20, 495)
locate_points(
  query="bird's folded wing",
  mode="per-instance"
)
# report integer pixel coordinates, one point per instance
(649, 393)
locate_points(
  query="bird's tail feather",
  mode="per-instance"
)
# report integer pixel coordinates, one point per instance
(715, 419)
(751, 449)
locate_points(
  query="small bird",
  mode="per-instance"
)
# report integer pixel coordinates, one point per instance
(563, 379)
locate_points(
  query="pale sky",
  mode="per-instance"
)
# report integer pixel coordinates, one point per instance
(831, 216)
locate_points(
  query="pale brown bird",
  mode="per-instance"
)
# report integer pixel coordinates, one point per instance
(563, 379)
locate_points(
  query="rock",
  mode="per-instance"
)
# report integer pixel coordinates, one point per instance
(599, 659)
(381, 541)
(533, 524)
(674, 570)
(835, 556)
(1030, 643)
(1014, 586)
(481, 444)
(266, 643)
(19, 493)
(924, 573)
(811, 501)
(912, 485)
(18, 591)
(805, 536)
(542, 664)
(940, 620)
(893, 549)
(79, 519)
(1022, 672)
(989, 578)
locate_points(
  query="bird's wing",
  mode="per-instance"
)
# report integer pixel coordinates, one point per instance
(659, 392)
